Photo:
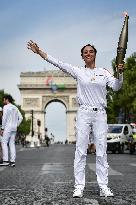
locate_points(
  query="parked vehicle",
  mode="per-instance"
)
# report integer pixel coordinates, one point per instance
(118, 136)
(132, 143)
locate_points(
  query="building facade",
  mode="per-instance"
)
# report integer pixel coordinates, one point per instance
(38, 89)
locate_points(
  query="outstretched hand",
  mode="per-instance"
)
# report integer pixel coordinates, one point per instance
(33, 46)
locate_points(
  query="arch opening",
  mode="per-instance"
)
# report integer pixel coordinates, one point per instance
(55, 121)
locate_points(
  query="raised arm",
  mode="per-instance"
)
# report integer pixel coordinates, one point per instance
(68, 68)
(35, 48)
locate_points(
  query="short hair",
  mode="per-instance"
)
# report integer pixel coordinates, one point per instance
(9, 98)
(82, 49)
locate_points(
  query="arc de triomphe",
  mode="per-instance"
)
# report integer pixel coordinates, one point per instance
(38, 89)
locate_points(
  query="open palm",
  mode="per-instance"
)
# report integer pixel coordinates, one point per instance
(33, 46)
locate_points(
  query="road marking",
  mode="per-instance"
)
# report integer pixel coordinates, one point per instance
(91, 201)
(52, 168)
(10, 189)
(92, 166)
(26, 149)
(133, 164)
(22, 149)
(2, 168)
(71, 181)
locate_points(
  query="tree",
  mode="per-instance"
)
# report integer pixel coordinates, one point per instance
(123, 102)
(24, 128)
(1, 97)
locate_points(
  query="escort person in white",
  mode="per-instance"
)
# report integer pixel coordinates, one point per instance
(11, 119)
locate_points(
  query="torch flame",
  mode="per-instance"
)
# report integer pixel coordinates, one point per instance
(125, 13)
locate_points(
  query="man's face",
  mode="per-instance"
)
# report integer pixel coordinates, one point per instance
(88, 55)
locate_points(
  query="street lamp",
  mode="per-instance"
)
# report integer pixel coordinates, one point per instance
(32, 133)
(32, 115)
(39, 137)
(39, 125)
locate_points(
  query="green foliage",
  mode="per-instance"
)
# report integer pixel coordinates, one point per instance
(1, 97)
(24, 127)
(125, 99)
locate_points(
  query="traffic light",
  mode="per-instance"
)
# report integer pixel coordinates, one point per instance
(39, 123)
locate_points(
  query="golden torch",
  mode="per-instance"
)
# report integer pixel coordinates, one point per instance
(122, 44)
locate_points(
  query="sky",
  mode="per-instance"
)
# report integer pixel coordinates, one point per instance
(61, 28)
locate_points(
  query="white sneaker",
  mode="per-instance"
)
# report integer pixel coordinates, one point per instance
(78, 193)
(106, 192)
(4, 163)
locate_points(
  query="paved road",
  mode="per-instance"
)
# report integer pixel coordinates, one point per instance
(44, 176)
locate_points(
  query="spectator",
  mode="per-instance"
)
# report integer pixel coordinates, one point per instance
(47, 139)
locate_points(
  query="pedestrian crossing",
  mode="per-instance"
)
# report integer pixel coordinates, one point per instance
(28, 149)
(52, 168)
(2, 168)
(91, 201)
(133, 164)
(92, 166)
(58, 168)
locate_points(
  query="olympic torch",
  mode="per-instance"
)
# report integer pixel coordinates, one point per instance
(122, 44)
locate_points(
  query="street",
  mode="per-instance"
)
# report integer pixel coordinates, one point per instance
(44, 176)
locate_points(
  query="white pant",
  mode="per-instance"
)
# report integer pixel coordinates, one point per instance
(87, 121)
(8, 139)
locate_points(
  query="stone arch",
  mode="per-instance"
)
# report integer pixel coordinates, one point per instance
(51, 99)
(36, 94)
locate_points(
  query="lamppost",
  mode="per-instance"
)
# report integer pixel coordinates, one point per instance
(32, 112)
(39, 137)
(32, 133)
